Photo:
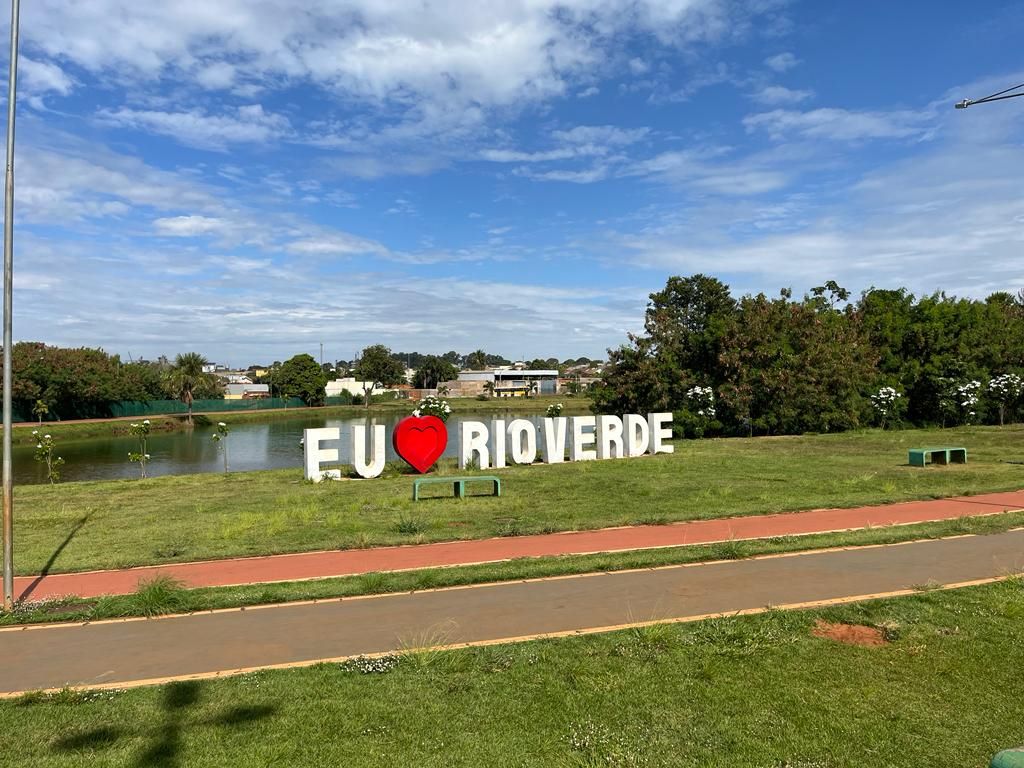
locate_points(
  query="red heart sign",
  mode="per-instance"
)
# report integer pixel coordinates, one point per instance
(420, 440)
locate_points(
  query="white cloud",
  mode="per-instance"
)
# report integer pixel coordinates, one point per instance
(778, 94)
(248, 124)
(609, 135)
(516, 156)
(216, 76)
(488, 53)
(782, 62)
(41, 77)
(188, 226)
(77, 181)
(638, 66)
(587, 176)
(840, 124)
(334, 244)
(586, 93)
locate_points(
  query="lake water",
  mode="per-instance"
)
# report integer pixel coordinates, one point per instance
(251, 446)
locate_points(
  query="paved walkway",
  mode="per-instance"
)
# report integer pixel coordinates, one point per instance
(136, 651)
(314, 565)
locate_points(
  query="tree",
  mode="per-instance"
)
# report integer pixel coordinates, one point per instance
(377, 368)
(186, 376)
(432, 371)
(476, 360)
(489, 388)
(301, 376)
(40, 409)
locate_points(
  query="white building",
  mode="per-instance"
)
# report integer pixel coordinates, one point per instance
(353, 386)
(511, 383)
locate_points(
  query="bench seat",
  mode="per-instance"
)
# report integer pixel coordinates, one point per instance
(919, 457)
(458, 484)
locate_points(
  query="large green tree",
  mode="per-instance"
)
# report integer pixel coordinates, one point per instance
(378, 368)
(301, 376)
(476, 360)
(432, 371)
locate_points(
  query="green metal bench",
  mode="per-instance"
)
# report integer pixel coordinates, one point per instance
(1009, 758)
(458, 484)
(921, 456)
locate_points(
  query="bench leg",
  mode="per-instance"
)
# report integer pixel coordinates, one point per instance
(415, 492)
(497, 488)
(460, 489)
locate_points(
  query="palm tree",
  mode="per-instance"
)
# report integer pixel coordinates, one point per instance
(187, 374)
(489, 388)
(477, 360)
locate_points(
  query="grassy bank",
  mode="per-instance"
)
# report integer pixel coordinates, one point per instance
(757, 691)
(78, 430)
(81, 526)
(163, 596)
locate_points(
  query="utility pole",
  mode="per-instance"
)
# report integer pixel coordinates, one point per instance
(8, 484)
(321, 355)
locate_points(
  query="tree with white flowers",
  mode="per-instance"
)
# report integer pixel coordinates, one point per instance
(1005, 390)
(886, 402)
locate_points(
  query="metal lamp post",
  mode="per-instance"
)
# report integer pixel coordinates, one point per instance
(8, 485)
(994, 97)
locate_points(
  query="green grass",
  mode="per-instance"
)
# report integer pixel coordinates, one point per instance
(72, 430)
(164, 595)
(756, 691)
(108, 524)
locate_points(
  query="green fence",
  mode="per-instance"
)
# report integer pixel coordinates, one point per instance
(133, 409)
(155, 407)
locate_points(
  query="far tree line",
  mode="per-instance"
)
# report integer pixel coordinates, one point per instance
(821, 363)
(74, 383)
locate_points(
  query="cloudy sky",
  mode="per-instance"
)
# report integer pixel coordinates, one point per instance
(249, 178)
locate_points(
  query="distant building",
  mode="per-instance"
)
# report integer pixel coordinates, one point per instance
(353, 386)
(246, 391)
(505, 382)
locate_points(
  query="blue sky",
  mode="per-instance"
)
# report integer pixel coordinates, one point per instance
(249, 178)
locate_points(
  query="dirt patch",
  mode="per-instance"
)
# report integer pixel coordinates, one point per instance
(851, 634)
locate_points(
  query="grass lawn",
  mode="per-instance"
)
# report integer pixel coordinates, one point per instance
(757, 691)
(164, 595)
(81, 526)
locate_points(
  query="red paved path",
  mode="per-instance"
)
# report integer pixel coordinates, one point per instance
(312, 565)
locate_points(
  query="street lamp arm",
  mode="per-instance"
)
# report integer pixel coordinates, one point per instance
(998, 96)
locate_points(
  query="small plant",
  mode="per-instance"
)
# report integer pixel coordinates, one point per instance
(433, 406)
(409, 526)
(700, 412)
(45, 448)
(1006, 390)
(140, 431)
(554, 410)
(968, 395)
(220, 437)
(370, 665)
(159, 595)
(40, 409)
(886, 402)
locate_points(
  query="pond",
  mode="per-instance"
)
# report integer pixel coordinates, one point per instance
(273, 444)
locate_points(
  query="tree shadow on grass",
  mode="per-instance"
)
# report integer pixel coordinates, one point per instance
(53, 558)
(165, 739)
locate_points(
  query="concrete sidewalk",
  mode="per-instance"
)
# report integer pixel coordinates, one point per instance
(314, 565)
(137, 651)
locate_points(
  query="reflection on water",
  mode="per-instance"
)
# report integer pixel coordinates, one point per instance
(251, 446)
